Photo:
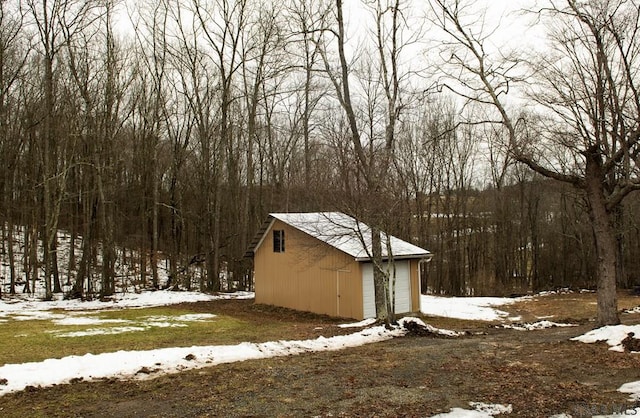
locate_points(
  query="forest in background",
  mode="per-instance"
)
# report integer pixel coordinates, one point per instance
(177, 138)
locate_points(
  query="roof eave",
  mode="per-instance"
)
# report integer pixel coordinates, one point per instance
(420, 256)
(260, 236)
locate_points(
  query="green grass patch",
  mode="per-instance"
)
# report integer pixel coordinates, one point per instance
(37, 340)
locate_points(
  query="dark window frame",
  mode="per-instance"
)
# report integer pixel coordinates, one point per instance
(278, 240)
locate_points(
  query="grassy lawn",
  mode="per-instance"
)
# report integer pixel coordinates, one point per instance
(125, 329)
(28, 340)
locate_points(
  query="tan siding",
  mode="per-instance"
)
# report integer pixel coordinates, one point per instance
(313, 276)
(306, 275)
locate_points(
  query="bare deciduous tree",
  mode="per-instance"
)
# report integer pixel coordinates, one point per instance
(590, 96)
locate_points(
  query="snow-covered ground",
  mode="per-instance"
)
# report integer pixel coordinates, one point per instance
(480, 410)
(532, 326)
(612, 335)
(153, 363)
(127, 269)
(473, 308)
(32, 307)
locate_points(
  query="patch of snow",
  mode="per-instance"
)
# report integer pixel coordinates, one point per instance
(491, 409)
(181, 318)
(472, 308)
(535, 325)
(561, 291)
(480, 410)
(462, 413)
(240, 294)
(29, 309)
(633, 388)
(448, 333)
(165, 324)
(33, 315)
(159, 321)
(25, 307)
(612, 334)
(153, 363)
(363, 323)
(441, 331)
(85, 320)
(97, 331)
(632, 310)
(627, 412)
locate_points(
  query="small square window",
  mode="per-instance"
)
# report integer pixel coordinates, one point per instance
(278, 241)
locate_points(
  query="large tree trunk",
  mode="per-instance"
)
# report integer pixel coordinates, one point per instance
(605, 241)
(380, 279)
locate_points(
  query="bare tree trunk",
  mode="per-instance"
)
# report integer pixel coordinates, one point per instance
(380, 280)
(604, 236)
(154, 228)
(33, 257)
(55, 271)
(12, 261)
(71, 267)
(47, 171)
(85, 266)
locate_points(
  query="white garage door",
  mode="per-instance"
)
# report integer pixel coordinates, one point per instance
(402, 289)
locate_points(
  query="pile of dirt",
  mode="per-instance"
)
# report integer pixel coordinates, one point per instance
(631, 343)
(416, 329)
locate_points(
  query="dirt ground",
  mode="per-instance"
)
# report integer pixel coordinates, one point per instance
(540, 373)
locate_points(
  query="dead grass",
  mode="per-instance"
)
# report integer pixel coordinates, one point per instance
(566, 307)
(541, 373)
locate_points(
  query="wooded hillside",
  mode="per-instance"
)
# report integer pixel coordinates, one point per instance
(173, 128)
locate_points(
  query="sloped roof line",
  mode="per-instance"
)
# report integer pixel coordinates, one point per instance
(347, 234)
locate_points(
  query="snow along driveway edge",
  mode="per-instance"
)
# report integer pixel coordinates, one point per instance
(154, 363)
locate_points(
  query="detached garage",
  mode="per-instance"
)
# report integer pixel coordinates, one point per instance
(317, 262)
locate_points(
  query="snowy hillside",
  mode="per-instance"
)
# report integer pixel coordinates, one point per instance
(128, 271)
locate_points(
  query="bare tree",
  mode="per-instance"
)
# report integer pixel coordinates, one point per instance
(97, 68)
(56, 23)
(589, 90)
(13, 56)
(222, 23)
(372, 144)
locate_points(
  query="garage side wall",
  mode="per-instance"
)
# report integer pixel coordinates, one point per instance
(308, 275)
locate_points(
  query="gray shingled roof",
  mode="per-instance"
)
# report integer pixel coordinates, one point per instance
(343, 232)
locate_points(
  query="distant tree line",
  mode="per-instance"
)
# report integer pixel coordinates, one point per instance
(172, 128)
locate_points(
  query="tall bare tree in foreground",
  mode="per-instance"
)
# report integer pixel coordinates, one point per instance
(589, 92)
(372, 110)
